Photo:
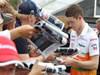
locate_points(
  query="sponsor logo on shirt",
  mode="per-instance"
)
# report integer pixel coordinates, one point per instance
(93, 39)
(94, 46)
(81, 45)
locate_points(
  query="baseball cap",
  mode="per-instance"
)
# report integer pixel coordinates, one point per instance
(8, 53)
(30, 7)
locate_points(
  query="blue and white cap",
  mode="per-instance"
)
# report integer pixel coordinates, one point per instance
(30, 7)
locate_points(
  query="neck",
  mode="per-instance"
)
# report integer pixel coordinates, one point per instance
(80, 29)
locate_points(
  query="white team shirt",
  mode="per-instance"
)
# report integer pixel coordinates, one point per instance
(86, 42)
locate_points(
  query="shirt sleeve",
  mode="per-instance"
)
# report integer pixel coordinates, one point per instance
(5, 33)
(94, 47)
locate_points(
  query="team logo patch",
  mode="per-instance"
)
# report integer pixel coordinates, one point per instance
(93, 39)
(94, 46)
(81, 45)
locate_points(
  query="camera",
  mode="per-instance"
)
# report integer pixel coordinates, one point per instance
(49, 67)
(66, 51)
(49, 38)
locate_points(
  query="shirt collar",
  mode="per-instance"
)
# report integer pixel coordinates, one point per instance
(85, 29)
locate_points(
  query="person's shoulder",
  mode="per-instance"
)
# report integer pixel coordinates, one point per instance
(91, 31)
(93, 35)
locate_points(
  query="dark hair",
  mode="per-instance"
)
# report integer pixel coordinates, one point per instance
(74, 11)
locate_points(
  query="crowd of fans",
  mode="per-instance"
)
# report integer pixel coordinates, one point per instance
(17, 26)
